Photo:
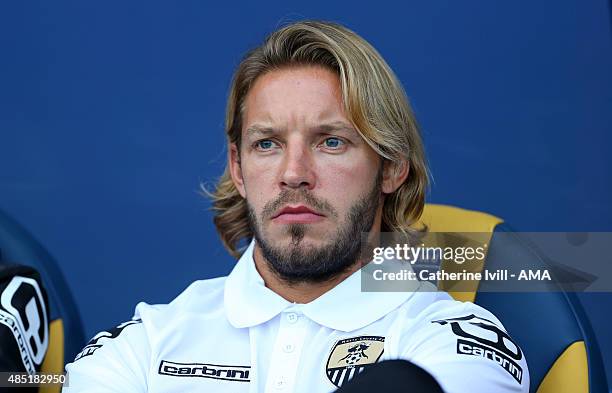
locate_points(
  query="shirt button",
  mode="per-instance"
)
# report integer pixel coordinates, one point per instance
(288, 348)
(280, 383)
(292, 317)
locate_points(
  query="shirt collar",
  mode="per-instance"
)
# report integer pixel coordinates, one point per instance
(248, 302)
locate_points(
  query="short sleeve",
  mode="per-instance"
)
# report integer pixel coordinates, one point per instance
(466, 349)
(116, 360)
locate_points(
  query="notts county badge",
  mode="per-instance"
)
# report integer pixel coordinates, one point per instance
(353, 355)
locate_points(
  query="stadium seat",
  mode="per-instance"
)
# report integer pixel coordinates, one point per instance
(66, 335)
(551, 327)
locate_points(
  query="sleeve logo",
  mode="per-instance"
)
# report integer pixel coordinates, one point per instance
(481, 337)
(98, 340)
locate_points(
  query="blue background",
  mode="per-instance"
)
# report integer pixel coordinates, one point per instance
(111, 115)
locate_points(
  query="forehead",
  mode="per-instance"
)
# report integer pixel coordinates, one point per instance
(294, 96)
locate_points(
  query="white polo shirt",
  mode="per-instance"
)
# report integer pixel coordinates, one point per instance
(232, 334)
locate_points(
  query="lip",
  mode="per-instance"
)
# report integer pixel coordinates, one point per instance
(297, 214)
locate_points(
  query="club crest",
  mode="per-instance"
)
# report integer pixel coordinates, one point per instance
(351, 356)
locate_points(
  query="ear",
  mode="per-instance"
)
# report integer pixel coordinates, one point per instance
(236, 169)
(394, 175)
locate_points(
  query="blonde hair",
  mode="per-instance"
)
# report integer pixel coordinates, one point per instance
(374, 101)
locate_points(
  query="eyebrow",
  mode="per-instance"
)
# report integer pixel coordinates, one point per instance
(259, 129)
(335, 126)
(326, 127)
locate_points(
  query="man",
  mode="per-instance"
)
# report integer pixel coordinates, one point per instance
(323, 147)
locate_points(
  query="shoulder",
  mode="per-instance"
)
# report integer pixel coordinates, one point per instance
(120, 355)
(451, 320)
(430, 307)
(203, 297)
(440, 306)
(115, 359)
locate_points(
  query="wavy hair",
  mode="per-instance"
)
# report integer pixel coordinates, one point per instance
(374, 101)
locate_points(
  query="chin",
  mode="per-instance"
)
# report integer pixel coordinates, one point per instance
(286, 239)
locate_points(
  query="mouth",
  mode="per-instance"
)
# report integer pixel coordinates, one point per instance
(297, 215)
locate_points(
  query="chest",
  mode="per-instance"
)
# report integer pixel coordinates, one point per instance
(287, 354)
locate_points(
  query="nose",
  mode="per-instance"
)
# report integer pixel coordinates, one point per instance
(297, 167)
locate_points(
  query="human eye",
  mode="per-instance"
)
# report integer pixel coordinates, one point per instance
(333, 143)
(264, 144)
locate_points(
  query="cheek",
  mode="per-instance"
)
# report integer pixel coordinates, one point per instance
(342, 183)
(259, 182)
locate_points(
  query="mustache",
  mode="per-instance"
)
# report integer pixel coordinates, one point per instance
(298, 196)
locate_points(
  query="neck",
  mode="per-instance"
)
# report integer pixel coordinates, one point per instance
(303, 292)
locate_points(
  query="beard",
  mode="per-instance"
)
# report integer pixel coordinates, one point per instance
(298, 263)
